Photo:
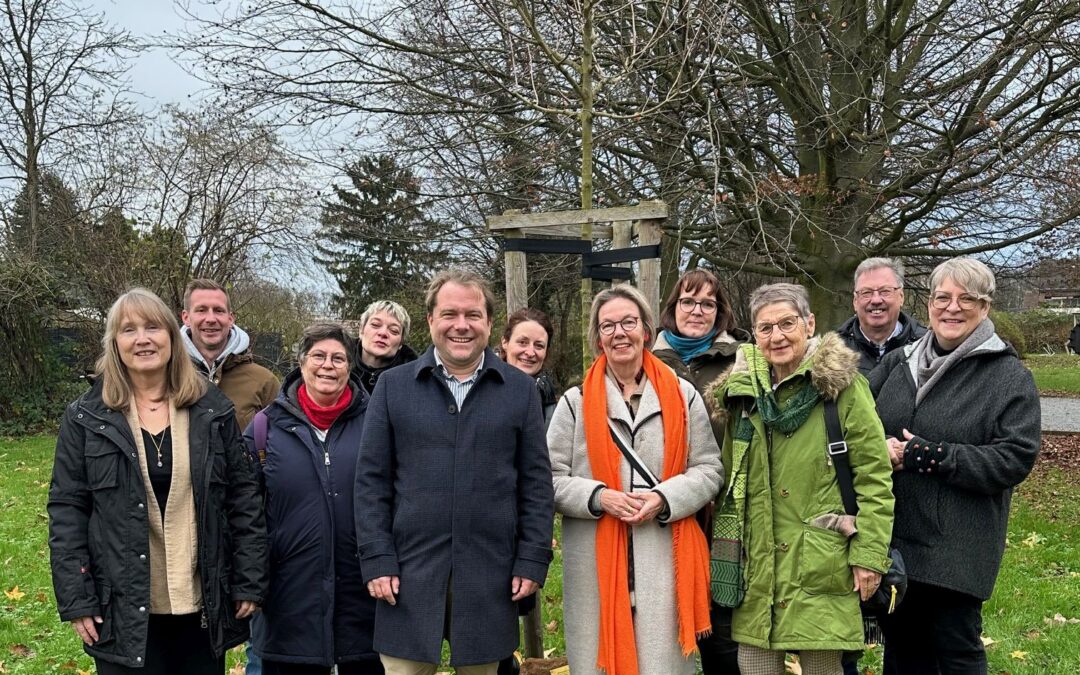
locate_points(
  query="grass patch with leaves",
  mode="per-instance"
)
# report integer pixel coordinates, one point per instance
(1033, 620)
(1055, 373)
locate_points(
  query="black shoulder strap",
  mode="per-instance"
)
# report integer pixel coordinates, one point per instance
(633, 459)
(838, 452)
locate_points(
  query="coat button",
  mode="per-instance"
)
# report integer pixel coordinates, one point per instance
(79, 416)
(783, 546)
(784, 492)
(142, 609)
(138, 659)
(209, 410)
(133, 454)
(102, 426)
(141, 505)
(782, 604)
(451, 409)
(142, 556)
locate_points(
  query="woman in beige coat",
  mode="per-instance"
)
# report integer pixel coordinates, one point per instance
(629, 533)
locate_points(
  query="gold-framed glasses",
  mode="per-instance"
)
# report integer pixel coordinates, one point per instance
(943, 300)
(784, 325)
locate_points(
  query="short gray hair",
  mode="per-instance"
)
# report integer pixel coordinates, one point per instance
(793, 294)
(974, 276)
(325, 330)
(390, 307)
(626, 292)
(871, 264)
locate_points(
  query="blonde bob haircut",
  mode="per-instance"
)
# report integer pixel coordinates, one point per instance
(626, 292)
(183, 384)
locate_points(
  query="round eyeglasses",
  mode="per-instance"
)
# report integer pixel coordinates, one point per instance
(628, 325)
(688, 304)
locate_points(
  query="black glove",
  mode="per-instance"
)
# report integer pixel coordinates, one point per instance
(923, 456)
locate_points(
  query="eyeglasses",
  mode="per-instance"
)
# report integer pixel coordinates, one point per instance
(688, 304)
(318, 358)
(886, 292)
(943, 300)
(628, 325)
(786, 325)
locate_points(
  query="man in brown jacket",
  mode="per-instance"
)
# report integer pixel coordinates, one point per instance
(221, 350)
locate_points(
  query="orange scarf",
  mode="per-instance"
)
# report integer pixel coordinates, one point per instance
(617, 654)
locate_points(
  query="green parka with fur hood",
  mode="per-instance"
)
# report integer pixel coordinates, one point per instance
(798, 577)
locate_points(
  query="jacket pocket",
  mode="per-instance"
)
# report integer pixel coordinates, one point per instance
(823, 563)
(102, 465)
(105, 630)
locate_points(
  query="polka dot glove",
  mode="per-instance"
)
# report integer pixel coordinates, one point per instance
(923, 456)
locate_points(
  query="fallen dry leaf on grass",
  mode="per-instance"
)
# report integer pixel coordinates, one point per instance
(14, 594)
(1019, 655)
(552, 626)
(3, 668)
(22, 651)
(238, 669)
(1059, 620)
(987, 641)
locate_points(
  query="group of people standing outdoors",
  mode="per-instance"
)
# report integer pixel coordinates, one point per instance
(377, 504)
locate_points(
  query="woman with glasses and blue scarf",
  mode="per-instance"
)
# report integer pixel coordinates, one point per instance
(698, 341)
(785, 555)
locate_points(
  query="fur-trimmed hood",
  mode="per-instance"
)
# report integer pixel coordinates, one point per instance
(832, 365)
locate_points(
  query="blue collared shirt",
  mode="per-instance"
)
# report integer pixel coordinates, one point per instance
(459, 388)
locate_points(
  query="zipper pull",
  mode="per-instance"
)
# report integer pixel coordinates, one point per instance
(202, 619)
(326, 457)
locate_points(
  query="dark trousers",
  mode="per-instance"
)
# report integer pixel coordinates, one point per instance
(369, 667)
(934, 630)
(175, 645)
(719, 653)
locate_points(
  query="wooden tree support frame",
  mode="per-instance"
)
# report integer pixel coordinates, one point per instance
(620, 224)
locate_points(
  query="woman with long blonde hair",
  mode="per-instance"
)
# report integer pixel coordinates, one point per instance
(156, 529)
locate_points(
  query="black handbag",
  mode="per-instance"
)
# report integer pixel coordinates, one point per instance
(894, 582)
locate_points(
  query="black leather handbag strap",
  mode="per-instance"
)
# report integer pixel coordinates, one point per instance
(838, 453)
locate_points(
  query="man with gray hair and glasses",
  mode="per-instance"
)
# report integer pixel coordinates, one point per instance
(879, 326)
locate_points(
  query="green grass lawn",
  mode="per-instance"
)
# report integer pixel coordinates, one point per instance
(1055, 372)
(1040, 577)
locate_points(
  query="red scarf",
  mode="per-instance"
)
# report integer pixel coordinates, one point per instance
(322, 418)
(617, 653)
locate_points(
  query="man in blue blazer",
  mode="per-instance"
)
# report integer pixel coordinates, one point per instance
(454, 503)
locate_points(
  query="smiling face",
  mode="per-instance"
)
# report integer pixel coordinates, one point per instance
(145, 347)
(876, 313)
(323, 378)
(952, 325)
(460, 327)
(527, 347)
(783, 351)
(624, 349)
(210, 321)
(696, 323)
(380, 338)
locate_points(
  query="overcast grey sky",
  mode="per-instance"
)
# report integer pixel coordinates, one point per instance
(153, 75)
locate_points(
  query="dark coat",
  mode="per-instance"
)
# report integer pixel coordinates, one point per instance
(99, 532)
(443, 490)
(707, 372)
(318, 611)
(368, 376)
(869, 357)
(951, 526)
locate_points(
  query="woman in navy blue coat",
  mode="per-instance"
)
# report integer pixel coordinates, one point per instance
(318, 612)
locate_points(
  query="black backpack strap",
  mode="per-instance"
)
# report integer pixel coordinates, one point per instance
(838, 453)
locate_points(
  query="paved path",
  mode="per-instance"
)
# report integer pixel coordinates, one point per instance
(1060, 414)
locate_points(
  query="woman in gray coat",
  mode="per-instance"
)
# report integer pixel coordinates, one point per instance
(962, 414)
(635, 561)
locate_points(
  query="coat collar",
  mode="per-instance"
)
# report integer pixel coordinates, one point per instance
(616, 405)
(494, 367)
(830, 364)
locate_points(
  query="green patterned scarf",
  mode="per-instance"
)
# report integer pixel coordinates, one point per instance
(726, 560)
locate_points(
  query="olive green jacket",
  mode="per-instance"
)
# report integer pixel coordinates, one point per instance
(799, 579)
